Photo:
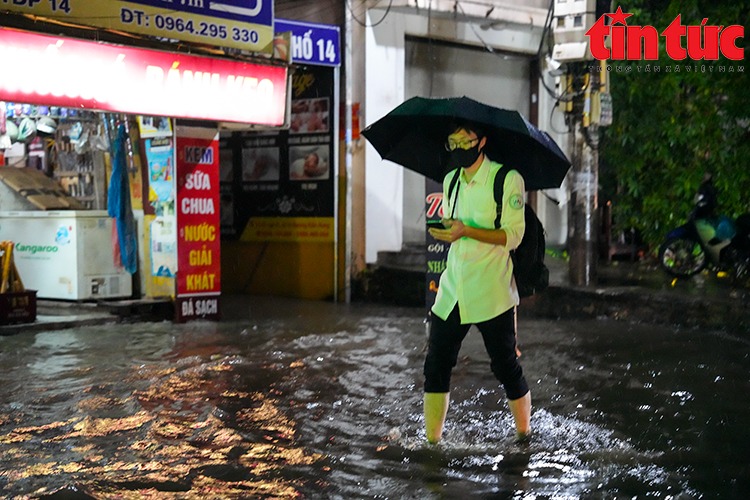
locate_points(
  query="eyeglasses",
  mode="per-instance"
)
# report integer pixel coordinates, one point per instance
(465, 144)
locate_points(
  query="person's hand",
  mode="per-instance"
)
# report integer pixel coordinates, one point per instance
(455, 229)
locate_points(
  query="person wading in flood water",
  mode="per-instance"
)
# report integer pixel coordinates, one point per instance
(477, 286)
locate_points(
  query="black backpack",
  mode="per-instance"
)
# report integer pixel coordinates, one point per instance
(532, 276)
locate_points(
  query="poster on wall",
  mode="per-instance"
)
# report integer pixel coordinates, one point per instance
(281, 183)
(154, 126)
(164, 246)
(198, 224)
(260, 163)
(309, 163)
(161, 182)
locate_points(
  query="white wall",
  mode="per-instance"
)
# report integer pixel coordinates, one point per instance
(384, 77)
(552, 204)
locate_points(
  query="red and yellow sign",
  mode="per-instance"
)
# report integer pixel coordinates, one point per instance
(198, 224)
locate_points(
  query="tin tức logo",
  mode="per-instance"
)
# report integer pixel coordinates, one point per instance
(634, 43)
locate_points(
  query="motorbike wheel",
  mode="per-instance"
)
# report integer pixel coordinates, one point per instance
(682, 257)
(740, 261)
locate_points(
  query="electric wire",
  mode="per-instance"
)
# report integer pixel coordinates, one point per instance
(552, 114)
(547, 26)
(364, 24)
(545, 33)
(486, 46)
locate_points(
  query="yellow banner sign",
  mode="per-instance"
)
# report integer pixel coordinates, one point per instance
(246, 24)
(289, 229)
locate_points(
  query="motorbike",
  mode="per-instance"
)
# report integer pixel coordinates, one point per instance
(717, 241)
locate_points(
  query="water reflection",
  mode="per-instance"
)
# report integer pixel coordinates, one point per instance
(329, 405)
(182, 420)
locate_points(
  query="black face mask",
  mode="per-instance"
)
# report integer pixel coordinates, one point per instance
(463, 158)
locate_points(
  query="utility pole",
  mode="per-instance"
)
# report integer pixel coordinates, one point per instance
(590, 110)
(587, 104)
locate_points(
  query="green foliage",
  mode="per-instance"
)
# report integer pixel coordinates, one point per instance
(671, 127)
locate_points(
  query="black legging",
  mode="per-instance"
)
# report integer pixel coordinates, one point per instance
(499, 336)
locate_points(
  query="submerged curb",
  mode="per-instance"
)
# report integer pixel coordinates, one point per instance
(560, 301)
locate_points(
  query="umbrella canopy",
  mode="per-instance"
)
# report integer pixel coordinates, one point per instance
(414, 133)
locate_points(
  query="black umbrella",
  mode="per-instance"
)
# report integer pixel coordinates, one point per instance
(414, 134)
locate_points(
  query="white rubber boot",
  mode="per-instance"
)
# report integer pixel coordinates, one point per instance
(435, 410)
(521, 410)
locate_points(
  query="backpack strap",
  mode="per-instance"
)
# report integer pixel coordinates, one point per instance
(498, 192)
(451, 187)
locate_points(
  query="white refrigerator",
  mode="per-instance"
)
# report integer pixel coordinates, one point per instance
(66, 254)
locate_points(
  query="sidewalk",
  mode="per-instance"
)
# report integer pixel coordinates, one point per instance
(624, 291)
(60, 314)
(641, 292)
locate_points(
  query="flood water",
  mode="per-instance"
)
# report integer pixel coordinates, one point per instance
(289, 399)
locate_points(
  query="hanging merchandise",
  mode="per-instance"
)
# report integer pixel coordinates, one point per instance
(10, 136)
(98, 140)
(5, 140)
(46, 125)
(26, 130)
(82, 146)
(118, 203)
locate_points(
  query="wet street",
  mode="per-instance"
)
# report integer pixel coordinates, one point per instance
(292, 399)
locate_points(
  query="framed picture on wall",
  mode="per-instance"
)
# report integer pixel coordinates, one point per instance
(310, 116)
(260, 164)
(154, 126)
(309, 163)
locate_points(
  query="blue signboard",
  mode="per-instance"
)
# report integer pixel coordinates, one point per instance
(312, 43)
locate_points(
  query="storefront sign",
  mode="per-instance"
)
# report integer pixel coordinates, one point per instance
(285, 175)
(241, 24)
(290, 229)
(198, 230)
(55, 71)
(437, 251)
(312, 43)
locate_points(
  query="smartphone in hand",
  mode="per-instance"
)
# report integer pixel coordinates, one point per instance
(435, 224)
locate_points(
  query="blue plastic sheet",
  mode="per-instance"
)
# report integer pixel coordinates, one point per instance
(118, 203)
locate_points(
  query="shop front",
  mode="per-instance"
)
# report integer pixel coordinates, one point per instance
(109, 160)
(279, 189)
